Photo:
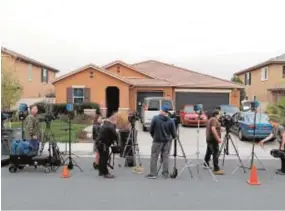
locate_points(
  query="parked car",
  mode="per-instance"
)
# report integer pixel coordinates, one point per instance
(188, 117)
(151, 107)
(244, 125)
(229, 110)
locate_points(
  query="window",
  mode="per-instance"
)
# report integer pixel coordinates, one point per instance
(283, 72)
(247, 79)
(30, 72)
(153, 105)
(78, 95)
(264, 74)
(189, 109)
(167, 103)
(44, 75)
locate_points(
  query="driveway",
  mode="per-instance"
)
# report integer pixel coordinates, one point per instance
(188, 138)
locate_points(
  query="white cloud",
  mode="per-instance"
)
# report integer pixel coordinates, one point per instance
(215, 37)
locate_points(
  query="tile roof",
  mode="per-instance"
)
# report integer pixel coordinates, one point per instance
(276, 60)
(27, 59)
(149, 82)
(182, 77)
(123, 64)
(90, 66)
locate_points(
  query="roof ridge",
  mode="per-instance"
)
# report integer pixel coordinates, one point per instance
(96, 67)
(23, 57)
(187, 70)
(127, 65)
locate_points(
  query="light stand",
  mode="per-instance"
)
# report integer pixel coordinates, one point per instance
(71, 163)
(198, 162)
(253, 155)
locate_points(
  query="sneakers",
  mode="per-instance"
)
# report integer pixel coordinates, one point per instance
(109, 176)
(151, 176)
(279, 172)
(219, 172)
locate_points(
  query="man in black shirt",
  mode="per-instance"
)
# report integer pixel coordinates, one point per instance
(106, 137)
(278, 133)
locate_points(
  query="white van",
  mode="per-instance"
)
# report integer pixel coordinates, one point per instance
(152, 107)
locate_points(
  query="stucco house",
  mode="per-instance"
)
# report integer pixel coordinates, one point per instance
(118, 86)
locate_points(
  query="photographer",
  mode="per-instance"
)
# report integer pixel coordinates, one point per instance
(278, 133)
(162, 130)
(33, 130)
(213, 138)
(107, 135)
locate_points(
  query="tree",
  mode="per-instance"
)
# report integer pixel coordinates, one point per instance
(236, 79)
(11, 89)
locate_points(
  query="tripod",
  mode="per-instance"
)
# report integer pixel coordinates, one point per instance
(71, 162)
(253, 154)
(133, 147)
(175, 171)
(66, 152)
(198, 162)
(225, 148)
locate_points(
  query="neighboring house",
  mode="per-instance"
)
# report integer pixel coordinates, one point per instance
(122, 87)
(265, 81)
(35, 77)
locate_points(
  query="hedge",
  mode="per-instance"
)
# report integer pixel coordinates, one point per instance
(61, 108)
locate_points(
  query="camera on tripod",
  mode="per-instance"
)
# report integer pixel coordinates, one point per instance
(23, 111)
(48, 118)
(226, 122)
(133, 117)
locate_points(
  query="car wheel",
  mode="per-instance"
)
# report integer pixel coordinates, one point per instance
(240, 135)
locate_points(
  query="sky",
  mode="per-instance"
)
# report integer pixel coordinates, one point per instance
(215, 37)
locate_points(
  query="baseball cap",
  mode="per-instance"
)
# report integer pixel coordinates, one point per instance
(165, 108)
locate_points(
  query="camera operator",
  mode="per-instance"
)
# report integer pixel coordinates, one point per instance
(96, 127)
(106, 137)
(162, 130)
(278, 133)
(33, 130)
(213, 138)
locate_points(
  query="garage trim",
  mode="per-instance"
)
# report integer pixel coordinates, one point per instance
(204, 90)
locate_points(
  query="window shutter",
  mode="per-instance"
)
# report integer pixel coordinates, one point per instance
(47, 76)
(249, 80)
(87, 95)
(42, 74)
(245, 79)
(69, 95)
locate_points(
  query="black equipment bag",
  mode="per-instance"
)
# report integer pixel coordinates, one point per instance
(128, 154)
(116, 149)
(277, 153)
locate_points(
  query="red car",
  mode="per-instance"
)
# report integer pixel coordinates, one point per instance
(189, 117)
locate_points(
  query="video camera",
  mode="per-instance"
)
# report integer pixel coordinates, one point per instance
(23, 111)
(48, 117)
(226, 121)
(133, 117)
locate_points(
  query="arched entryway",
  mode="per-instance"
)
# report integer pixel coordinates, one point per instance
(112, 99)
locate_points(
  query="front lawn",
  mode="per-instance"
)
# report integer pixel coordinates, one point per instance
(57, 127)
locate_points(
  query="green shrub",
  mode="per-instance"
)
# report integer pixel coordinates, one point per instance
(82, 119)
(79, 108)
(277, 110)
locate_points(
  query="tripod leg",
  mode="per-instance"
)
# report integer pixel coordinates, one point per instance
(263, 167)
(75, 164)
(236, 150)
(184, 156)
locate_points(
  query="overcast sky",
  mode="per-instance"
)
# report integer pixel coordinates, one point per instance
(215, 37)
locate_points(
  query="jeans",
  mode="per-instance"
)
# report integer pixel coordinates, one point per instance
(158, 148)
(212, 149)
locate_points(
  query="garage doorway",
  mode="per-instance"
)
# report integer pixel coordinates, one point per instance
(112, 100)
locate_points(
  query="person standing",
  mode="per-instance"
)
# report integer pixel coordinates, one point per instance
(107, 136)
(33, 129)
(278, 133)
(162, 130)
(213, 138)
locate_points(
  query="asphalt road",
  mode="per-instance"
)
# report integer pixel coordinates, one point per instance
(34, 190)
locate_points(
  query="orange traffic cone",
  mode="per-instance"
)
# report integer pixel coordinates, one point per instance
(65, 172)
(253, 180)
